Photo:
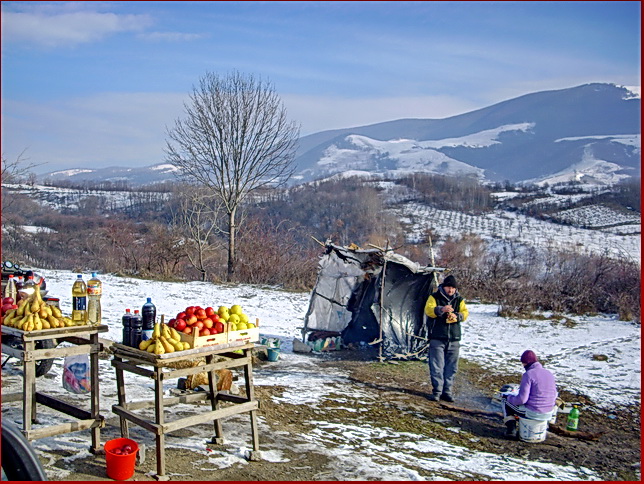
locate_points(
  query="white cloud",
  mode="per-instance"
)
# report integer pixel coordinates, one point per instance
(67, 28)
(171, 36)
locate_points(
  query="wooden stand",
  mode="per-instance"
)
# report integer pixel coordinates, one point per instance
(86, 341)
(163, 367)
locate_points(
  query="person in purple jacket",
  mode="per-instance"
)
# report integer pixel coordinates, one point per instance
(536, 396)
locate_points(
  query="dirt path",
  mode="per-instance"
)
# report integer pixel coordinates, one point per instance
(397, 401)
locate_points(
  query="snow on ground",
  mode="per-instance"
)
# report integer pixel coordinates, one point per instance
(356, 451)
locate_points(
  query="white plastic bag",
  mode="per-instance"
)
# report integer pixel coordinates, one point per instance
(76, 374)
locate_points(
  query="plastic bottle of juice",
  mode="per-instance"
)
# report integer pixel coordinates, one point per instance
(127, 327)
(149, 315)
(94, 292)
(79, 301)
(573, 419)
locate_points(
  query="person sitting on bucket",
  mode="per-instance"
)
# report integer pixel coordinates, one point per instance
(445, 310)
(535, 398)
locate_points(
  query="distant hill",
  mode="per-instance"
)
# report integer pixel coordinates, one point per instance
(590, 133)
(132, 176)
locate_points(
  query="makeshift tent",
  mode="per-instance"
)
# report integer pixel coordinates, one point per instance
(373, 296)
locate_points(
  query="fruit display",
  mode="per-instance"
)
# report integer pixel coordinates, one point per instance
(208, 321)
(33, 314)
(165, 339)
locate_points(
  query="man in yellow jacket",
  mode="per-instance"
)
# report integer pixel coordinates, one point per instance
(445, 310)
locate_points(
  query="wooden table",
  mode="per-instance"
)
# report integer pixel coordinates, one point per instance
(162, 367)
(86, 342)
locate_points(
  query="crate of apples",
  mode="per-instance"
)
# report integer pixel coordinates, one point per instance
(206, 320)
(205, 326)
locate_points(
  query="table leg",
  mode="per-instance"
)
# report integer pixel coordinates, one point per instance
(95, 393)
(159, 417)
(120, 391)
(29, 387)
(214, 402)
(250, 395)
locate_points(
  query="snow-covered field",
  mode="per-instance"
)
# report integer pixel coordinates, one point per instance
(356, 452)
(511, 226)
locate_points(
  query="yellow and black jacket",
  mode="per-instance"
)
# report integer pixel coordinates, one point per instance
(437, 325)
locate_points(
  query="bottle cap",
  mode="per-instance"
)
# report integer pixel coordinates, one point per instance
(79, 276)
(93, 274)
(127, 310)
(149, 299)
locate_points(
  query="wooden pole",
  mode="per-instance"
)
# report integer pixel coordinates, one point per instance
(382, 300)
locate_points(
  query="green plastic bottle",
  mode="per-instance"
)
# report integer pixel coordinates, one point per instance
(573, 419)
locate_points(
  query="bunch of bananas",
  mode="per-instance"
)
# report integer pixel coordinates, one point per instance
(34, 314)
(164, 340)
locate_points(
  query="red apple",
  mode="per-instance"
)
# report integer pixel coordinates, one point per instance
(181, 315)
(180, 325)
(215, 318)
(200, 313)
(190, 310)
(219, 326)
(210, 311)
(208, 323)
(191, 320)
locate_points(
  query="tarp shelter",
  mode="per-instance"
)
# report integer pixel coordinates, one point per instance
(373, 296)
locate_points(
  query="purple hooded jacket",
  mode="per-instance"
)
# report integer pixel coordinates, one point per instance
(537, 391)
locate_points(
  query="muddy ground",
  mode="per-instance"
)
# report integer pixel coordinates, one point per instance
(402, 389)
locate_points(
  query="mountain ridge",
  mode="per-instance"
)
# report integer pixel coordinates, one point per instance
(589, 133)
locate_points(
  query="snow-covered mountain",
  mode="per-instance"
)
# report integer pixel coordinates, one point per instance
(589, 133)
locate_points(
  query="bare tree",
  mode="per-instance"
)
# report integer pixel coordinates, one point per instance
(235, 138)
(197, 218)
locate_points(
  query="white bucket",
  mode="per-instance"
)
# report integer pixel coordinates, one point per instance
(553, 418)
(531, 430)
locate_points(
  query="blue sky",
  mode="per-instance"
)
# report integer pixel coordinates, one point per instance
(88, 84)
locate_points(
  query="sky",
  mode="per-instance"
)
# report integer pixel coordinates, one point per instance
(355, 450)
(97, 84)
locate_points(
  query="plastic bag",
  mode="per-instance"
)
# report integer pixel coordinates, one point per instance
(76, 374)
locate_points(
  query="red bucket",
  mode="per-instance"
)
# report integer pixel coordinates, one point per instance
(120, 466)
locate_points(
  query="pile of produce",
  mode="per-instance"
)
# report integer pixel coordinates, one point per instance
(33, 314)
(164, 340)
(208, 321)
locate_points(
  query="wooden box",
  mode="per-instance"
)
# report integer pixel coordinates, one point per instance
(233, 338)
